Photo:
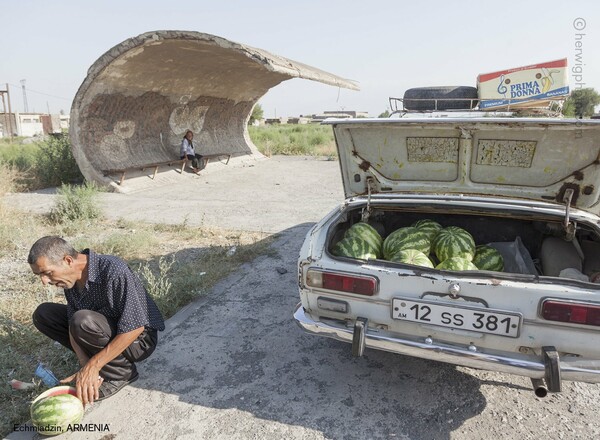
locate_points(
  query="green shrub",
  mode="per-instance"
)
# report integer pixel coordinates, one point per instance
(76, 203)
(55, 164)
(257, 113)
(46, 163)
(159, 285)
(317, 139)
(19, 155)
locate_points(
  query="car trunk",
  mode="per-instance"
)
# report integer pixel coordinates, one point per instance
(532, 244)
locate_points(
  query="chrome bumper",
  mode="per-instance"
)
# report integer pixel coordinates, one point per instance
(576, 370)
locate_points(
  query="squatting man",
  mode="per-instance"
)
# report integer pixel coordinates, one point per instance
(109, 321)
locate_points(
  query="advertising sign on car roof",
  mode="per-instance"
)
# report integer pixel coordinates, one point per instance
(528, 86)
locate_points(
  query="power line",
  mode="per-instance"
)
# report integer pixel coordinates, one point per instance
(42, 93)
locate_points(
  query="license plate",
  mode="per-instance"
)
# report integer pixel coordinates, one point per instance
(496, 322)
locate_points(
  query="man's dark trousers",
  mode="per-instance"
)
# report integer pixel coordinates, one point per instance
(93, 331)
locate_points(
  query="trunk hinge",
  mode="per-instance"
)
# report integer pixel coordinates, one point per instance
(366, 212)
(568, 225)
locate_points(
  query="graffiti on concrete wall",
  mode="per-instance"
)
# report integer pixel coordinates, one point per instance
(121, 131)
(187, 117)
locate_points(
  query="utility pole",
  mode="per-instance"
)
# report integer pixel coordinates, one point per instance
(10, 113)
(25, 106)
(9, 118)
(2, 92)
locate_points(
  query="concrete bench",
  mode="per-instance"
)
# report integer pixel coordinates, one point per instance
(123, 171)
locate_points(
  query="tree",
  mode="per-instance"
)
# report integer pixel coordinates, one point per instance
(257, 113)
(581, 103)
(385, 114)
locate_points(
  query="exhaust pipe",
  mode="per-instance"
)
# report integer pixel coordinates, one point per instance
(539, 387)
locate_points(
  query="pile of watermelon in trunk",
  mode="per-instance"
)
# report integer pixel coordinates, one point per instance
(54, 410)
(425, 243)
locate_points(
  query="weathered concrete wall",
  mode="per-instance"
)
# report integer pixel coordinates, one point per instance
(141, 96)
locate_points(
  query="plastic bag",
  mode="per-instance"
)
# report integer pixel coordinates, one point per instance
(573, 274)
(516, 257)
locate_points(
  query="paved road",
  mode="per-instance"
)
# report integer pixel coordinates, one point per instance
(235, 366)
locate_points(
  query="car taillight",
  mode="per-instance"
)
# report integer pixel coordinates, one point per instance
(361, 285)
(574, 313)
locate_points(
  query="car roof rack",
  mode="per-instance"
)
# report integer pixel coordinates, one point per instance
(553, 108)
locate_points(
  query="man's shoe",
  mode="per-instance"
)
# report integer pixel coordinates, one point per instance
(109, 388)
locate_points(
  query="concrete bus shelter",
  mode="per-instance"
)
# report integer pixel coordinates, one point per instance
(140, 97)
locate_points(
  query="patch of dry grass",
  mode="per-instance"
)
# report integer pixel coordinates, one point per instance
(327, 149)
(21, 345)
(8, 178)
(292, 139)
(16, 228)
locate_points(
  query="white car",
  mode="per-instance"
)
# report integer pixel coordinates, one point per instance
(529, 186)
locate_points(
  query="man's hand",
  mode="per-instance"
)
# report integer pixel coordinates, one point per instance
(87, 383)
(87, 380)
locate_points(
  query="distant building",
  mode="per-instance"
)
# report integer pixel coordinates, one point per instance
(32, 124)
(64, 121)
(29, 124)
(339, 114)
(300, 120)
(270, 121)
(350, 113)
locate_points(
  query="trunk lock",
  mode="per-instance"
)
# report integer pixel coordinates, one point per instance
(454, 290)
(366, 212)
(568, 225)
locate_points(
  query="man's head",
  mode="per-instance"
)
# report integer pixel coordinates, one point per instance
(55, 261)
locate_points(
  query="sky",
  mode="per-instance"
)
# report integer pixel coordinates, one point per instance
(386, 46)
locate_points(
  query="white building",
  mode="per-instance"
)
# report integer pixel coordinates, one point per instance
(29, 124)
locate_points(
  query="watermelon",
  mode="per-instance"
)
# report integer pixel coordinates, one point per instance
(428, 226)
(453, 242)
(412, 256)
(354, 247)
(456, 263)
(405, 238)
(54, 410)
(368, 233)
(488, 258)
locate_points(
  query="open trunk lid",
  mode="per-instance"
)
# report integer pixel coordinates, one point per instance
(550, 160)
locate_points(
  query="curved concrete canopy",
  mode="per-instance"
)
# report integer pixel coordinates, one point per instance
(140, 97)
